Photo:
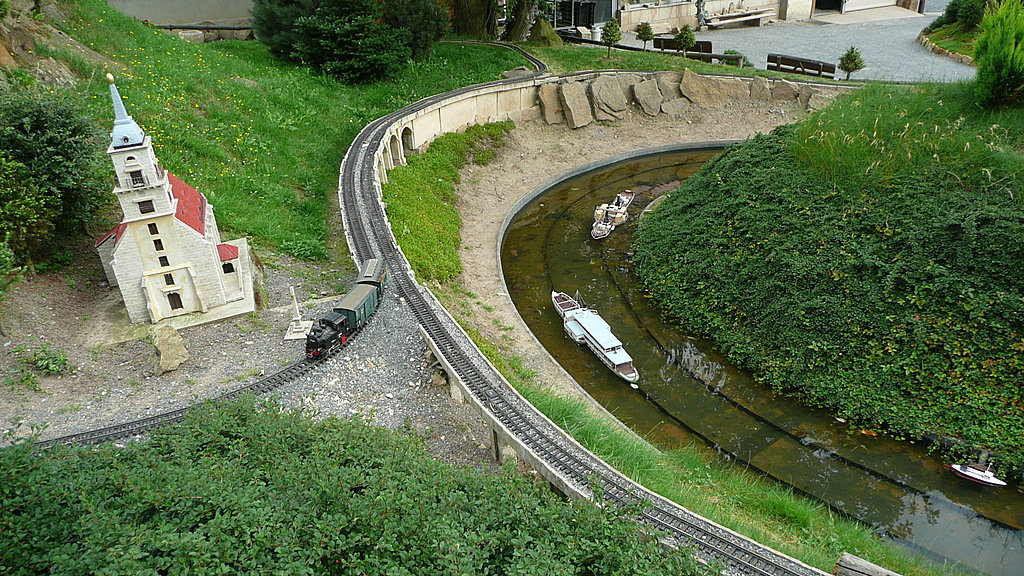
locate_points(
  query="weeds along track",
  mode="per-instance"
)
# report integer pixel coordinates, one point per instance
(369, 236)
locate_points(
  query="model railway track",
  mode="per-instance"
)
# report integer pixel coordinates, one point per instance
(370, 237)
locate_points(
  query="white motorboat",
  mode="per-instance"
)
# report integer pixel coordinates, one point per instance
(586, 326)
(977, 472)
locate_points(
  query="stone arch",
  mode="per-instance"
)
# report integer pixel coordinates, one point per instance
(386, 158)
(408, 142)
(396, 151)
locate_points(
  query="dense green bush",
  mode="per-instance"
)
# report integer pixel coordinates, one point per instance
(50, 168)
(357, 49)
(966, 13)
(273, 22)
(897, 302)
(426, 21)
(248, 488)
(999, 54)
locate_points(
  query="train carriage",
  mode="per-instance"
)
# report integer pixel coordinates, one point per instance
(351, 312)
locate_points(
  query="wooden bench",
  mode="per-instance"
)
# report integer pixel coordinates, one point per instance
(664, 43)
(734, 59)
(724, 18)
(804, 66)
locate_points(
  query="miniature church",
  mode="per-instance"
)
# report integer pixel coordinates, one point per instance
(166, 255)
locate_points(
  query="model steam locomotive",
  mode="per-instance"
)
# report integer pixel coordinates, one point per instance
(350, 313)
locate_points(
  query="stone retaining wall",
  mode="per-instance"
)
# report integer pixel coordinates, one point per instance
(934, 48)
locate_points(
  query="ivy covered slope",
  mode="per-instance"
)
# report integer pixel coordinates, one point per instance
(251, 488)
(869, 263)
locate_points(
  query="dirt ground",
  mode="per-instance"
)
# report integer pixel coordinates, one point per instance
(73, 312)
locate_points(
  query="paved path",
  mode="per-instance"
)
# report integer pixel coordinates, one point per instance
(886, 38)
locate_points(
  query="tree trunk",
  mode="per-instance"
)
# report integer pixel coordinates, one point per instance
(519, 21)
(475, 18)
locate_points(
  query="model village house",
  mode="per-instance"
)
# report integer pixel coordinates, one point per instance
(166, 255)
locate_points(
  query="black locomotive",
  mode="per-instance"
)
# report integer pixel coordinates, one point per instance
(350, 313)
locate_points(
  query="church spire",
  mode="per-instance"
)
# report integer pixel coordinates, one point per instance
(126, 132)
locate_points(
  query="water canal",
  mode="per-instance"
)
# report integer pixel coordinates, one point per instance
(690, 393)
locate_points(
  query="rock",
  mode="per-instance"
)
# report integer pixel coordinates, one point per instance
(438, 379)
(23, 6)
(760, 89)
(516, 72)
(627, 82)
(550, 105)
(20, 43)
(784, 90)
(804, 93)
(668, 83)
(53, 72)
(649, 97)
(575, 104)
(53, 13)
(707, 91)
(243, 34)
(170, 349)
(818, 101)
(543, 34)
(193, 36)
(676, 107)
(608, 100)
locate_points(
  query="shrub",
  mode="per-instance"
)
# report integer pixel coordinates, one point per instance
(967, 13)
(9, 270)
(273, 22)
(357, 49)
(26, 212)
(685, 38)
(999, 54)
(611, 34)
(645, 33)
(59, 148)
(851, 61)
(746, 61)
(426, 21)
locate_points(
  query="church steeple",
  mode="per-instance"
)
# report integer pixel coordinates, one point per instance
(125, 132)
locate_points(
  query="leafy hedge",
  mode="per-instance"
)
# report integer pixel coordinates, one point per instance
(250, 488)
(895, 299)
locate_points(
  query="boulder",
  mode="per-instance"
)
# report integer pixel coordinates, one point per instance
(54, 73)
(818, 101)
(170, 349)
(53, 13)
(626, 82)
(608, 100)
(676, 107)
(243, 34)
(668, 83)
(760, 89)
(575, 104)
(784, 90)
(517, 72)
(707, 91)
(543, 34)
(804, 93)
(550, 105)
(649, 97)
(193, 36)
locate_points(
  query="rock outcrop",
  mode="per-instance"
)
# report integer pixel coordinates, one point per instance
(575, 104)
(648, 96)
(608, 99)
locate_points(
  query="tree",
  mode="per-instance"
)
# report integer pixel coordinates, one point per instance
(273, 22)
(427, 22)
(645, 32)
(357, 49)
(611, 34)
(475, 18)
(999, 54)
(519, 20)
(26, 211)
(685, 38)
(851, 61)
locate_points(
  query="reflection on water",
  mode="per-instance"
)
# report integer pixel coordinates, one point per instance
(689, 392)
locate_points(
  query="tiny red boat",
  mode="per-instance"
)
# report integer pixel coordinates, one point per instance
(977, 472)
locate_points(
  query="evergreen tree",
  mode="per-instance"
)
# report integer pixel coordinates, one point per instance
(999, 54)
(611, 34)
(645, 32)
(685, 38)
(851, 61)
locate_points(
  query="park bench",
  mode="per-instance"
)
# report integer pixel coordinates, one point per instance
(755, 16)
(804, 66)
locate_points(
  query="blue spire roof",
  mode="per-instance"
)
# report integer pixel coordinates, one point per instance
(126, 132)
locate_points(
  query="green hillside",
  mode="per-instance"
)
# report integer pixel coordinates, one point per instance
(868, 262)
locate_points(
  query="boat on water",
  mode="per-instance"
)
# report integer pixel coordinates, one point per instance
(608, 216)
(585, 326)
(977, 472)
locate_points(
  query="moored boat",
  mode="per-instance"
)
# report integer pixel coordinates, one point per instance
(608, 216)
(976, 472)
(586, 326)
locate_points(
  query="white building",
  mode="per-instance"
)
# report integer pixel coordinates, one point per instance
(166, 254)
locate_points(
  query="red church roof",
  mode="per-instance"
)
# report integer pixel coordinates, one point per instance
(191, 204)
(227, 252)
(116, 232)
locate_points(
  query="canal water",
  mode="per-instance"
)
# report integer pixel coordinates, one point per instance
(688, 392)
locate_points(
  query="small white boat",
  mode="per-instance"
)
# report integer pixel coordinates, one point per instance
(608, 216)
(982, 474)
(586, 326)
